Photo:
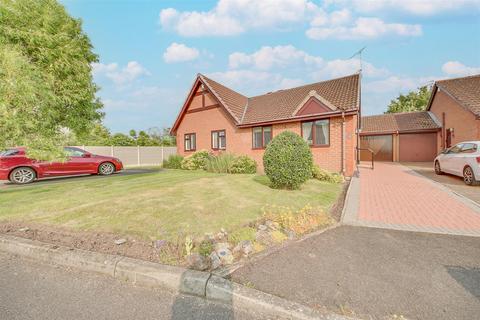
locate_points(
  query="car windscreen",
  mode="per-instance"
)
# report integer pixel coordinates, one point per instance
(8, 152)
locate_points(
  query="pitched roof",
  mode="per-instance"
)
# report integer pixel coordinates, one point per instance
(342, 93)
(401, 122)
(232, 100)
(465, 90)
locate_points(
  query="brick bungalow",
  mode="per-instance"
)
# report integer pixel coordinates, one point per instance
(456, 103)
(217, 118)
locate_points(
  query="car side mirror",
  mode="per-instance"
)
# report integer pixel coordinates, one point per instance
(87, 155)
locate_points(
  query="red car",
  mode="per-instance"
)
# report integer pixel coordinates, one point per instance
(16, 167)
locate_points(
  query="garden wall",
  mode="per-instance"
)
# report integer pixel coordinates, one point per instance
(134, 156)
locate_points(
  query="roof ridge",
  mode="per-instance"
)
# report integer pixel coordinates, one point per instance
(394, 113)
(202, 77)
(209, 79)
(305, 85)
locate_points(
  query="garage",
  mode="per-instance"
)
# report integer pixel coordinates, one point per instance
(381, 145)
(417, 146)
(408, 137)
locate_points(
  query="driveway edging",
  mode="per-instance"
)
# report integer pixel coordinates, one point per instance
(175, 279)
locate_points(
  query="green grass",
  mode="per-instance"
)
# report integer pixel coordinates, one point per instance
(156, 205)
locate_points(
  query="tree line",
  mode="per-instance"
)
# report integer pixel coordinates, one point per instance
(101, 136)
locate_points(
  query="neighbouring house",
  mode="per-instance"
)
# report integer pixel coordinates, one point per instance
(410, 136)
(325, 114)
(456, 103)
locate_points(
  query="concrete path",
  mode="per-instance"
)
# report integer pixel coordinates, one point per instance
(394, 196)
(31, 290)
(376, 273)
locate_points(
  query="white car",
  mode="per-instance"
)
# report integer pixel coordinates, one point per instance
(463, 160)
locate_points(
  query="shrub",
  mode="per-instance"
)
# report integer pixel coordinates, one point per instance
(324, 175)
(173, 162)
(246, 233)
(196, 161)
(243, 164)
(299, 221)
(288, 161)
(205, 248)
(221, 163)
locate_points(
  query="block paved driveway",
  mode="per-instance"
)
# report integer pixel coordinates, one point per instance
(394, 196)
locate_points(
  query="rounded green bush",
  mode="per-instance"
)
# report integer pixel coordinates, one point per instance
(243, 164)
(196, 161)
(288, 161)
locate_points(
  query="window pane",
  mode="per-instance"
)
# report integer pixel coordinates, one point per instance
(322, 133)
(469, 148)
(456, 149)
(187, 143)
(257, 137)
(222, 142)
(215, 140)
(267, 135)
(307, 132)
(193, 144)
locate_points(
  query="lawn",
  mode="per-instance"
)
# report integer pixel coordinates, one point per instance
(156, 205)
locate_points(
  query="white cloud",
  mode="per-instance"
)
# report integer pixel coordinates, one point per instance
(125, 75)
(251, 82)
(415, 7)
(232, 17)
(177, 52)
(397, 84)
(458, 69)
(338, 68)
(268, 57)
(292, 59)
(364, 28)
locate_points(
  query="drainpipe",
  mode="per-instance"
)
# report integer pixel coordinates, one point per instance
(343, 143)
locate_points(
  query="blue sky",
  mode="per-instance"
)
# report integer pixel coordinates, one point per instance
(150, 51)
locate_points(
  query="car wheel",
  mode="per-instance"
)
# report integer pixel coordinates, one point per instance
(106, 169)
(469, 176)
(22, 175)
(438, 170)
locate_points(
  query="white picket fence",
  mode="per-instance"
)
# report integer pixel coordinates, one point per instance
(134, 156)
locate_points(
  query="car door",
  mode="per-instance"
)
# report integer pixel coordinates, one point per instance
(449, 160)
(457, 160)
(79, 161)
(469, 152)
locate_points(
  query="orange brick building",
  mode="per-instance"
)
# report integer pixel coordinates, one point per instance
(218, 119)
(456, 104)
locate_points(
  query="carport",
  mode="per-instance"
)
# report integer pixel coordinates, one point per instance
(408, 137)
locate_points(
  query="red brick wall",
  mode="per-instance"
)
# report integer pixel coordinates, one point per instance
(239, 141)
(466, 127)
